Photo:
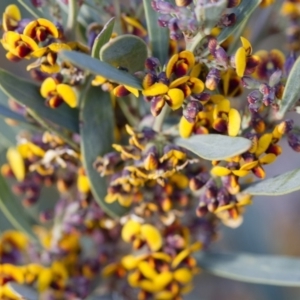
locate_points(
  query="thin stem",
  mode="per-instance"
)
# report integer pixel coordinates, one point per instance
(192, 44)
(159, 120)
(45, 125)
(72, 20)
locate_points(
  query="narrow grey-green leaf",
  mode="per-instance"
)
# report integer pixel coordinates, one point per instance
(13, 210)
(7, 134)
(103, 37)
(291, 92)
(97, 67)
(27, 4)
(279, 185)
(126, 51)
(97, 129)
(23, 291)
(158, 36)
(8, 113)
(255, 268)
(28, 94)
(215, 146)
(242, 12)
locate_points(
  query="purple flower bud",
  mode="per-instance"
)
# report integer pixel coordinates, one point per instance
(163, 7)
(201, 97)
(212, 79)
(191, 111)
(221, 55)
(212, 45)
(294, 141)
(264, 88)
(152, 63)
(254, 107)
(223, 196)
(228, 20)
(254, 97)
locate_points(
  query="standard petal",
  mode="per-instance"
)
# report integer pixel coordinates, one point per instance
(152, 236)
(185, 127)
(16, 163)
(67, 94)
(240, 61)
(156, 89)
(130, 229)
(48, 87)
(234, 122)
(176, 98)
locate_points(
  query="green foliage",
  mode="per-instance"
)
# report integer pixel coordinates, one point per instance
(36, 13)
(157, 35)
(215, 146)
(97, 131)
(125, 51)
(279, 185)
(14, 211)
(8, 113)
(102, 38)
(242, 12)
(25, 292)
(97, 67)
(291, 90)
(28, 94)
(255, 268)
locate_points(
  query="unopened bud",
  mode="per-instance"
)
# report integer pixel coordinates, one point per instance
(191, 111)
(213, 79)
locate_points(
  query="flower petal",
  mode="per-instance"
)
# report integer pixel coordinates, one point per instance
(240, 61)
(132, 90)
(263, 143)
(152, 236)
(234, 122)
(156, 89)
(48, 86)
(171, 64)
(183, 275)
(130, 229)
(176, 98)
(185, 127)
(188, 56)
(220, 171)
(197, 85)
(67, 94)
(147, 270)
(268, 159)
(16, 163)
(179, 81)
(246, 45)
(49, 26)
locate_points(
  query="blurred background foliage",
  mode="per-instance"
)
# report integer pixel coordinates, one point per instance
(271, 225)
